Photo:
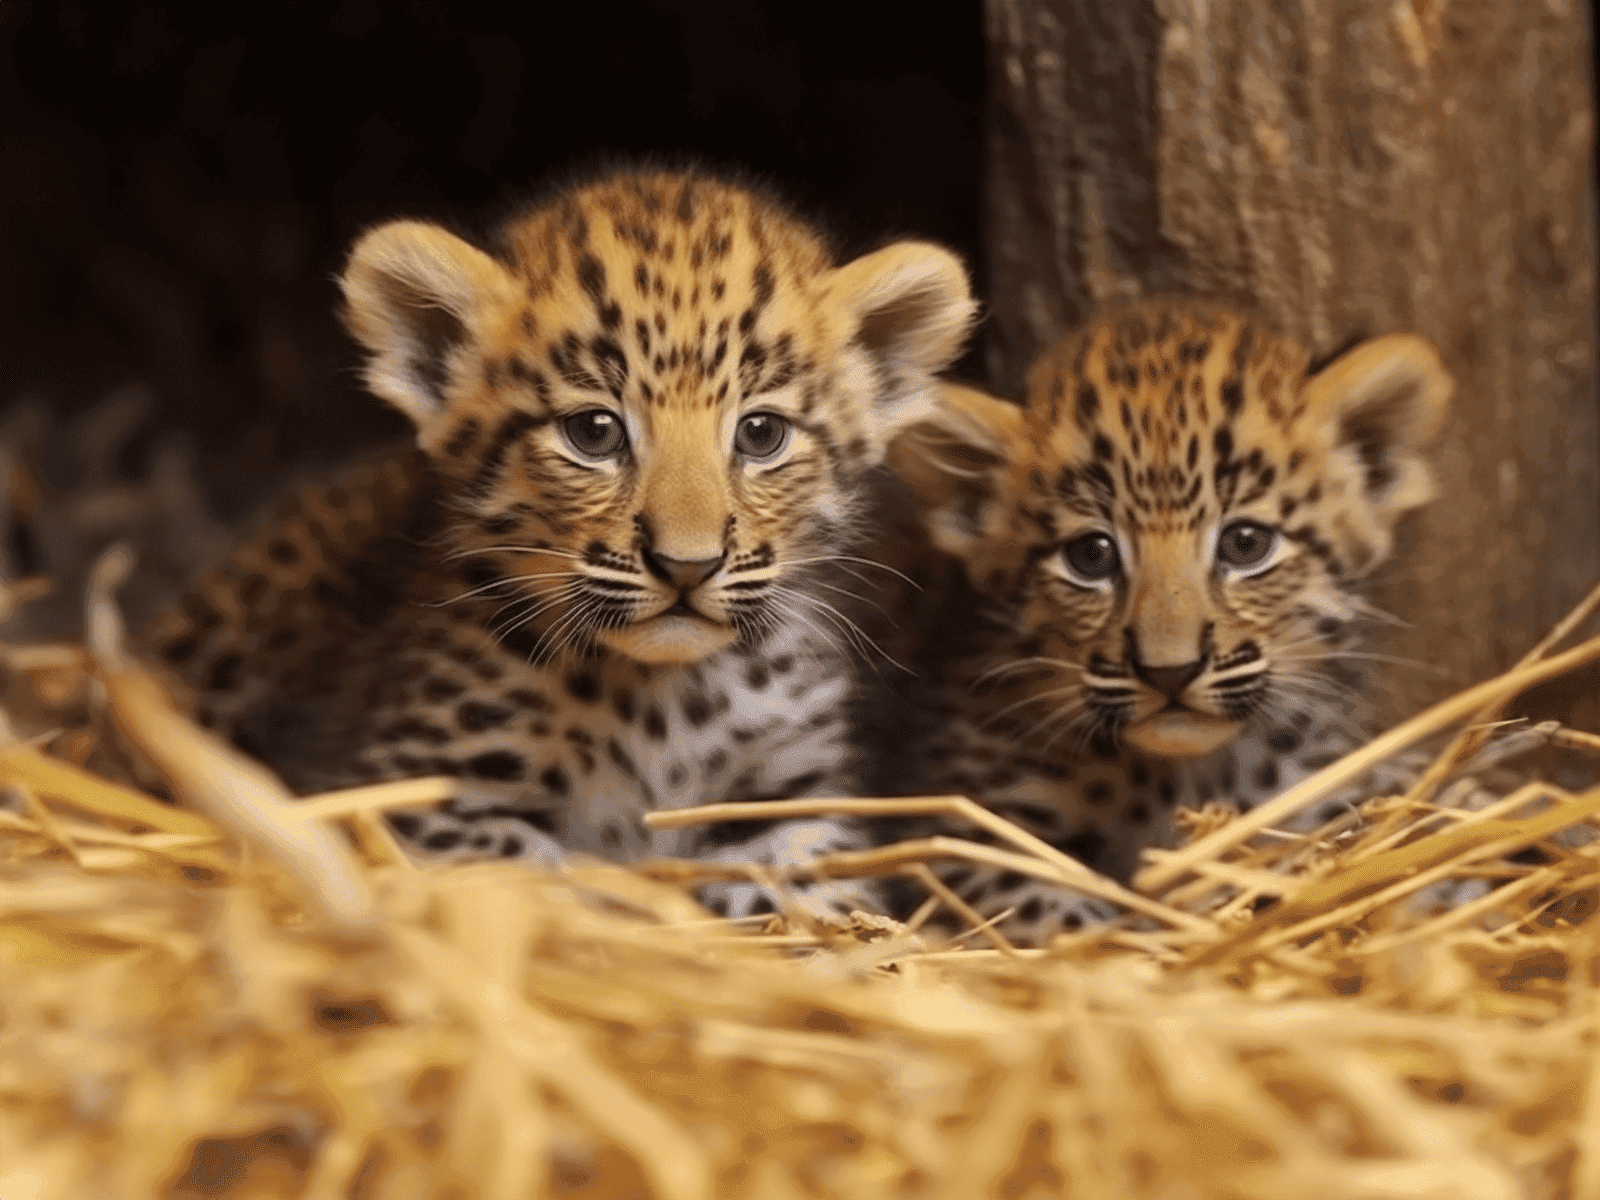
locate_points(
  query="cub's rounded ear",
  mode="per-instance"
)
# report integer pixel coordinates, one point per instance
(959, 463)
(1386, 399)
(909, 306)
(414, 294)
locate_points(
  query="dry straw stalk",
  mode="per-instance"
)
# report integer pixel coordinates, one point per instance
(252, 996)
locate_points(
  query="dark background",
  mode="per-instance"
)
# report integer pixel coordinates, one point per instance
(178, 189)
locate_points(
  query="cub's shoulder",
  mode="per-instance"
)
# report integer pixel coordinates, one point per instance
(320, 570)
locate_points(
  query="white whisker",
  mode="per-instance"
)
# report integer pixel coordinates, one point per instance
(503, 581)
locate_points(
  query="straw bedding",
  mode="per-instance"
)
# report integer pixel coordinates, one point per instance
(242, 995)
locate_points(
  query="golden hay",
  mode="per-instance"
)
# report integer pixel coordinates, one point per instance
(232, 999)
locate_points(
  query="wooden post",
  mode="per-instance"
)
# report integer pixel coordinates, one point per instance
(1345, 166)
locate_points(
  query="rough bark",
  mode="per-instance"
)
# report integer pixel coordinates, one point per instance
(1348, 166)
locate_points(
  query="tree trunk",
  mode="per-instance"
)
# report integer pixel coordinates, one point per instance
(1347, 166)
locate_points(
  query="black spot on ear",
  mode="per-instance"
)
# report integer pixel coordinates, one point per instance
(1371, 442)
(1322, 361)
(436, 331)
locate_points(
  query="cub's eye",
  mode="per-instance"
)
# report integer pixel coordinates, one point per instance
(761, 435)
(595, 432)
(1246, 544)
(1091, 558)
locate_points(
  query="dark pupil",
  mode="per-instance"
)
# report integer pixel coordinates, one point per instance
(759, 435)
(595, 432)
(1093, 556)
(1245, 544)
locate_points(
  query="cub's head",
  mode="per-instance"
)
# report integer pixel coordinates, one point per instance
(1174, 517)
(652, 400)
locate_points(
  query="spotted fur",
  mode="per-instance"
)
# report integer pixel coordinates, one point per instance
(582, 637)
(1172, 441)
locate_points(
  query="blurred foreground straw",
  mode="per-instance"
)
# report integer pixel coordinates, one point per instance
(256, 996)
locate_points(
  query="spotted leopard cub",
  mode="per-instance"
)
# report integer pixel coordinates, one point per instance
(643, 415)
(1137, 585)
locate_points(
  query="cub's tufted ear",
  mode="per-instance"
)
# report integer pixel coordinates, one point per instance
(414, 295)
(908, 306)
(960, 463)
(1385, 399)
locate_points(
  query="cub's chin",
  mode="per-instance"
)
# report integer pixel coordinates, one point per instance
(669, 638)
(1181, 734)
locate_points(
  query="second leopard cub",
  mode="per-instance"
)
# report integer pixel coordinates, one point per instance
(642, 416)
(1137, 585)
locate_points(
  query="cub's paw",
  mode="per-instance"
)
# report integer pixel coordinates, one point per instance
(790, 843)
(830, 901)
(1033, 913)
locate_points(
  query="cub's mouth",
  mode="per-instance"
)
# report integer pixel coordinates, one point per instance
(1176, 732)
(680, 634)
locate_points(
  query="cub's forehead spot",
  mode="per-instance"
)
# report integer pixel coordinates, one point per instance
(1173, 430)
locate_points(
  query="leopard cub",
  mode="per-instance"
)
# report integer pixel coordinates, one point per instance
(1137, 585)
(644, 413)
